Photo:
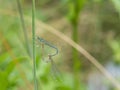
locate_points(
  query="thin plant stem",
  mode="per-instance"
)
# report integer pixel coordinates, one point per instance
(76, 62)
(34, 51)
(76, 65)
(24, 28)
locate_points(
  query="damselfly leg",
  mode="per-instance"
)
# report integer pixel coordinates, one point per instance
(42, 53)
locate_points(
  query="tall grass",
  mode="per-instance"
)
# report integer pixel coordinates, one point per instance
(26, 37)
(34, 51)
(24, 28)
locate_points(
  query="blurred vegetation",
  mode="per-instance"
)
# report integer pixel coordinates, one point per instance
(94, 24)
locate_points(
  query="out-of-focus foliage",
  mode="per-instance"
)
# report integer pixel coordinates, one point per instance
(99, 21)
(75, 6)
(6, 68)
(117, 5)
(115, 46)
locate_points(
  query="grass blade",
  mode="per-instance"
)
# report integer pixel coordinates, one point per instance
(34, 51)
(24, 28)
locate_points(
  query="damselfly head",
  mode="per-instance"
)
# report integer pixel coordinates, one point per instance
(40, 39)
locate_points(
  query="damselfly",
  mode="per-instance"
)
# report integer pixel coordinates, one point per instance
(54, 70)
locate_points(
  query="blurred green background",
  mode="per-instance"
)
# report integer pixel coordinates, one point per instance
(93, 24)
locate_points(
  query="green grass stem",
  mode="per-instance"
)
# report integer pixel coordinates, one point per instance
(34, 51)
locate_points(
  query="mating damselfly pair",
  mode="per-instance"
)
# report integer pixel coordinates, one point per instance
(54, 70)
